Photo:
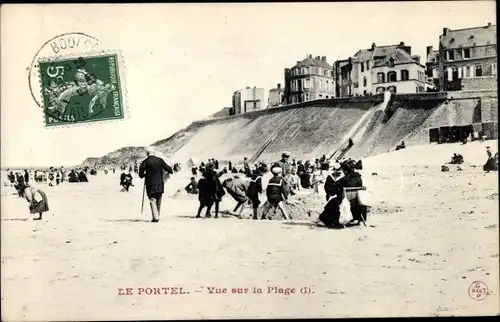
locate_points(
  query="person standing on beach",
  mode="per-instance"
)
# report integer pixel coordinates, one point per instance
(26, 176)
(151, 169)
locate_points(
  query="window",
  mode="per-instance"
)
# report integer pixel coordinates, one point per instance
(320, 96)
(466, 53)
(494, 69)
(435, 73)
(391, 62)
(466, 72)
(368, 65)
(327, 85)
(306, 97)
(380, 89)
(365, 92)
(391, 76)
(307, 83)
(306, 70)
(326, 73)
(392, 89)
(364, 81)
(381, 78)
(479, 71)
(405, 75)
(362, 67)
(450, 54)
(319, 70)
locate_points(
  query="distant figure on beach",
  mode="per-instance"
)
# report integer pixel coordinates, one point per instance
(401, 146)
(151, 169)
(21, 185)
(38, 201)
(126, 181)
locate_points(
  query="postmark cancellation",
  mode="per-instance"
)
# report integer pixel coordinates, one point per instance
(82, 88)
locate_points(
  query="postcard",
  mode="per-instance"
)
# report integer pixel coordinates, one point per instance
(249, 160)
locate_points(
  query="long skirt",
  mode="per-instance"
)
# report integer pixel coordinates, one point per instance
(40, 206)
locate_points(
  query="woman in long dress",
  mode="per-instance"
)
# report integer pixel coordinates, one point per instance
(38, 201)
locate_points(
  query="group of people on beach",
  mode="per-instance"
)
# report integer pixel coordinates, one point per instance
(288, 177)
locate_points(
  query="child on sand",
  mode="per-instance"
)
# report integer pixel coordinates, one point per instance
(276, 194)
(37, 199)
(254, 188)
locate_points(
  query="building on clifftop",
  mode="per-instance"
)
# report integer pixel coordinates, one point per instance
(249, 99)
(378, 69)
(276, 96)
(466, 59)
(310, 79)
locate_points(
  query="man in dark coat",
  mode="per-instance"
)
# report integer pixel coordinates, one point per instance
(151, 169)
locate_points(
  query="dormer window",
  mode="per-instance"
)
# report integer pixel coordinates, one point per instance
(391, 62)
(471, 37)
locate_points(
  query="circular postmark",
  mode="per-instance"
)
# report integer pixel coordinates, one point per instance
(64, 44)
(478, 291)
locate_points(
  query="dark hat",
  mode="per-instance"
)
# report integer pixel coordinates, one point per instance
(210, 166)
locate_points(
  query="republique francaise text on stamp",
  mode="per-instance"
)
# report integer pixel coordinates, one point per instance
(81, 89)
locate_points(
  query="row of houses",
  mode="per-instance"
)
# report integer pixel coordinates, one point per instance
(465, 60)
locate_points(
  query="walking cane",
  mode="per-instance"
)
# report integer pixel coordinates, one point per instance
(143, 193)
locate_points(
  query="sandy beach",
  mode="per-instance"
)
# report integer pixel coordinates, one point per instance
(431, 234)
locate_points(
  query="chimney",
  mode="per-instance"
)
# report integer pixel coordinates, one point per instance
(323, 58)
(298, 61)
(402, 43)
(429, 50)
(445, 31)
(373, 46)
(488, 25)
(318, 58)
(279, 86)
(248, 87)
(310, 56)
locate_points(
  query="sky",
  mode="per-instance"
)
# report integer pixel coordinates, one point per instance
(184, 61)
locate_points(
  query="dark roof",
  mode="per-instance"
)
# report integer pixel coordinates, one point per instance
(400, 57)
(385, 50)
(308, 61)
(469, 37)
(380, 51)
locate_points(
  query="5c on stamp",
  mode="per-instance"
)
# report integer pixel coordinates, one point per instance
(81, 89)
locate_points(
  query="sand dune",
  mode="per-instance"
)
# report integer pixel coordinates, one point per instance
(432, 235)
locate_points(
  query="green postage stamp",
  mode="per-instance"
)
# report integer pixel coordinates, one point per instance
(81, 89)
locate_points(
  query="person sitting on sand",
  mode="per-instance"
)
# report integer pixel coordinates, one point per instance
(492, 162)
(82, 177)
(457, 159)
(38, 201)
(237, 188)
(276, 194)
(210, 191)
(192, 187)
